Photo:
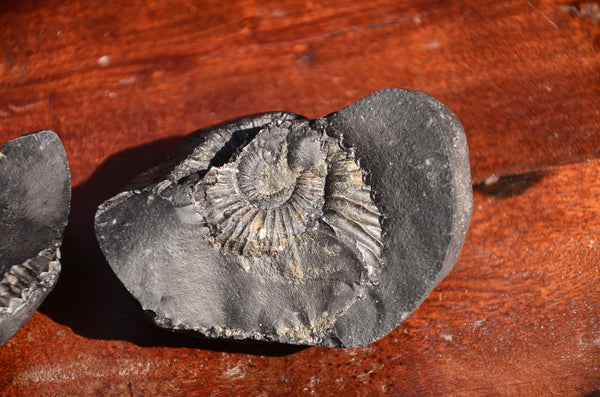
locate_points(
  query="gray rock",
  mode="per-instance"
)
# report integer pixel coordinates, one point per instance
(35, 193)
(277, 228)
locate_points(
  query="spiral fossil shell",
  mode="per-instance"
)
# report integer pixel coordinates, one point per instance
(290, 179)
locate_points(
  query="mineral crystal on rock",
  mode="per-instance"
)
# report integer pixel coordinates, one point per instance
(277, 228)
(35, 192)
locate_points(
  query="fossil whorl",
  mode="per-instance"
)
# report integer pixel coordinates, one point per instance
(349, 208)
(288, 180)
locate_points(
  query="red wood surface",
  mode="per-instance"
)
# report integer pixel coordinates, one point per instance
(122, 82)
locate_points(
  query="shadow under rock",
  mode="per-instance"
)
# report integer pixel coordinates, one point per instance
(89, 298)
(510, 185)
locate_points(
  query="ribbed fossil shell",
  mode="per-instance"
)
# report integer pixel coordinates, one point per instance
(288, 180)
(349, 209)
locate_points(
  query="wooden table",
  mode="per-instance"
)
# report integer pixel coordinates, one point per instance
(122, 82)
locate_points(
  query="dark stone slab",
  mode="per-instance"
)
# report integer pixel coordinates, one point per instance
(35, 193)
(273, 227)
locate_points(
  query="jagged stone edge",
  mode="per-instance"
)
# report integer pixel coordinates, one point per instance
(41, 285)
(328, 339)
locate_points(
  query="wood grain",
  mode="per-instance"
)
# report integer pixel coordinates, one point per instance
(122, 82)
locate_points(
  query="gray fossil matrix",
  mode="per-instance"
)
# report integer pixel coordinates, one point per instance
(277, 228)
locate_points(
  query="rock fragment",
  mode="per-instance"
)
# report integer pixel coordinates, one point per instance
(35, 193)
(277, 228)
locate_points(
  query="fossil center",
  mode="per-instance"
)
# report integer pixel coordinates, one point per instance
(264, 177)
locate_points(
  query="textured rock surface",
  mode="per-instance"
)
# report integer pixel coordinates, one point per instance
(272, 227)
(35, 192)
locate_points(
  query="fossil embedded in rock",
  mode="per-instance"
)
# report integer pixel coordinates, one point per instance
(35, 192)
(284, 182)
(274, 227)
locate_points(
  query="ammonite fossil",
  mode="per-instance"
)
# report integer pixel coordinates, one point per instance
(288, 179)
(35, 192)
(274, 227)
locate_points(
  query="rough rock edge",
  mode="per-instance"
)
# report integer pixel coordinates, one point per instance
(39, 287)
(328, 338)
